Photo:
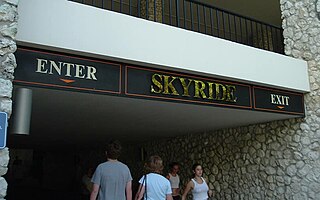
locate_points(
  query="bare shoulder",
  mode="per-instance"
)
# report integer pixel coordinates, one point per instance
(191, 184)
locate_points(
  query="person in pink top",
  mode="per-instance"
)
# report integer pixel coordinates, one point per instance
(197, 185)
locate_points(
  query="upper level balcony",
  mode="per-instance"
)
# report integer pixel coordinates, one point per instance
(180, 36)
(204, 17)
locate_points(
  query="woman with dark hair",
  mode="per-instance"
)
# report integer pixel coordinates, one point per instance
(174, 179)
(198, 185)
(154, 186)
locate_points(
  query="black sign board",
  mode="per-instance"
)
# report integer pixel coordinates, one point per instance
(53, 70)
(67, 72)
(278, 101)
(178, 87)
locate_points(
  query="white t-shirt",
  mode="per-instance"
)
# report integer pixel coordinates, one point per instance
(158, 187)
(174, 180)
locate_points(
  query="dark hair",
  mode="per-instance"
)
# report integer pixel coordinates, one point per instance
(113, 149)
(171, 165)
(154, 164)
(194, 166)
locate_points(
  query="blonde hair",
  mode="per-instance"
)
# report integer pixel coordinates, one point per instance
(154, 164)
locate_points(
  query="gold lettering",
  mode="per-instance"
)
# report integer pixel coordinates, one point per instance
(157, 83)
(164, 84)
(199, 89)
(168, 84)
(210, 95)
(185, 86)
(230, 93)
(220, 95)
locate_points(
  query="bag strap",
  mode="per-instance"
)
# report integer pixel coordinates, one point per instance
(143, 181)
(145, 188)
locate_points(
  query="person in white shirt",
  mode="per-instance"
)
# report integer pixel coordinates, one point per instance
(154, 186)
(174, 179)
(198, 185)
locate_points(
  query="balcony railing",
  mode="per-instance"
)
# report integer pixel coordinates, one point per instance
(196, 16)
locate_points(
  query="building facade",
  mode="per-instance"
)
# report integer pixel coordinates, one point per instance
(276, 158)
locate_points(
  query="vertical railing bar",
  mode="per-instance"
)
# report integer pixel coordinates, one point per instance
(130, 8)
(211, 21)
(139, 10)
(162, 4)
(257, 31)
(170, 11)
(272, 38)
(262, 36)
(240, 24)
(120, 6)
(92, 2)
(184, 14)
(276, 40)
(102, 4)
(111, 4)
(251, 32)
(191, 11)
(155, 10)
(178, 13)
(205, 20)
(198, 17)
(218, 24)
(229, 26)
(147, 9)
(235, 27)
(223, 25)
(268, 42)
(246, 29)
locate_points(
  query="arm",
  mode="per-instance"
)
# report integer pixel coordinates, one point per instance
(210, 192)
(94, 193)
(140, 192)
(129, 190)
(169, 197)
(187, 189)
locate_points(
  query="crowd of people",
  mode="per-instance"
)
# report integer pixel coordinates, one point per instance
(112, 180)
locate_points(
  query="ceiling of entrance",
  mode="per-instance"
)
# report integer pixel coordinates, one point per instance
(72, 119)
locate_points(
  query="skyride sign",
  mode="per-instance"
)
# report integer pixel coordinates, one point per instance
(40, 68)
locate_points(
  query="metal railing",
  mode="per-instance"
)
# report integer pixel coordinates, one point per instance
(196, 16)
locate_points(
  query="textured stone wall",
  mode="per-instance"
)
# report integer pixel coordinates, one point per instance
(276, 160)
(8, 30)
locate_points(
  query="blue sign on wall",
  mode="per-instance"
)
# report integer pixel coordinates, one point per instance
(3, 129)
